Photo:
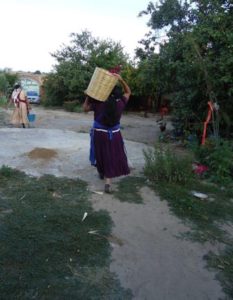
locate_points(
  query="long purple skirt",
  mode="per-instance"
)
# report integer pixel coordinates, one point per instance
(111, 159)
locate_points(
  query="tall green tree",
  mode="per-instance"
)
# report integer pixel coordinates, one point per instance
(76, 63)
(196, 59)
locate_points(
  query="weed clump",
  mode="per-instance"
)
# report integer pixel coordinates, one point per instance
(218, 156)
(161, 164)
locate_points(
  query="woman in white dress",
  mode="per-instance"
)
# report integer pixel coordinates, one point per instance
(22, 106)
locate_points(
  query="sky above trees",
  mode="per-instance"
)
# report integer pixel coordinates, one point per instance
(32, 29)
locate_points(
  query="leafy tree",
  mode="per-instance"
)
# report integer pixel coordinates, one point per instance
(196, 60)
(76, 64)
(7, 81)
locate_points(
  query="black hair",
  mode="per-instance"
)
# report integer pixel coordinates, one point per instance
(111, 116)
(17, 86)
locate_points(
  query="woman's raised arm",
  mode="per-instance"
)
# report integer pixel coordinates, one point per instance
(127, 90)
(86, 105)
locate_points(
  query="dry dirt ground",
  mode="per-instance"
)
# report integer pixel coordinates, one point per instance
(147, 254)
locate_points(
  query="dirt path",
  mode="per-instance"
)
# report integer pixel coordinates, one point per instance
(147, 255)
(134, 126)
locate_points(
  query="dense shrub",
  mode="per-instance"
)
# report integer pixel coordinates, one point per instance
(73, 106)
(54, 90)
(3, 100)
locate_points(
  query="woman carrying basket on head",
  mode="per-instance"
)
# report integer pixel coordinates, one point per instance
(22, 106)
(107, 151)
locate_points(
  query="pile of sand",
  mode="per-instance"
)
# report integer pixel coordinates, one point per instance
(42, 153)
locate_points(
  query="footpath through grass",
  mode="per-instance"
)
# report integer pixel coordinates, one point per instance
(47, 251)
(208, 219)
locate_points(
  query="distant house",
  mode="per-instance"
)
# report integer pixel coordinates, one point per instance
(32, 84)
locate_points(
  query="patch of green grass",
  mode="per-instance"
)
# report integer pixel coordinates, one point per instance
(204, 215)
(47, 251)
(223, 263)
(6, 172)
(128, 189)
